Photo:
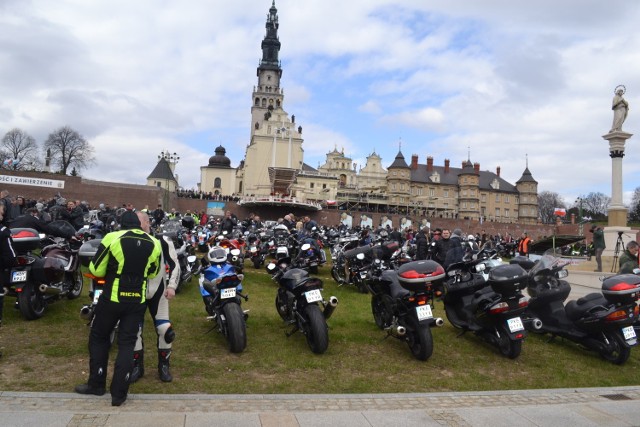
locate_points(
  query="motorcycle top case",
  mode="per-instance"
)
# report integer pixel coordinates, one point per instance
(413, 275)
(621, 289)
(88, 250)
(508, 279)
(25, 239)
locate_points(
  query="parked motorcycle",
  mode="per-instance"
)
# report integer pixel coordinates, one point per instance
(491, 309)
(601, 322)
(352, 267)
(255, 250)
(39, 280)
(299, 302)
(189, 265)
(402, 301)
(221, 290)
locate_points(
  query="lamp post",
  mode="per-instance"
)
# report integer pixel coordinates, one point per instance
(172, 159)
(580, 225)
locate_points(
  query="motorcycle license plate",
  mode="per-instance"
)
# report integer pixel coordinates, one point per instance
(424, 312)
(18, 276)
(629, 333)
(313, 296)
(96, 295)
(515, 324)
(228, 293)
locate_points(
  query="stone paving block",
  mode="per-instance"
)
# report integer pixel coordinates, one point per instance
(498, 416)
(332, 418)
(411, 418)
(226, 419)
(627, 411)
(553, 416)
(148, 419)
(21, 419)
(278, 419)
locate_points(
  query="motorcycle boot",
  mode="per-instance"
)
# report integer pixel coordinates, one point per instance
(163, 365)
(138, 366)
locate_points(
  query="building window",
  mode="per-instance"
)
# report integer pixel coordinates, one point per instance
(497, 197)
(217, 183)
(464, 193)
(484, 198)
(506, 199)
(497, 212)
(311, 185)
(393, 187)
(446, 193)
(432, 192)
(464, 205)
(324, 186)
(506, 213)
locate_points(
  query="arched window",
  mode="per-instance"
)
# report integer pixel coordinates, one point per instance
(278, 103)
(217, 183)
(257, 102)
(264, 102)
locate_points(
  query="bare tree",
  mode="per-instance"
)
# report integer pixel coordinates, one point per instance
(547, 202)
(595, 205)
(634, 209)
(69, 148)
(19, 149)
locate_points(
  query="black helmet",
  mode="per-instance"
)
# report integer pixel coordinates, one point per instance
(188, 222)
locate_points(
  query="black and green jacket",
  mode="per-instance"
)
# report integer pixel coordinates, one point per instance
(126, 259)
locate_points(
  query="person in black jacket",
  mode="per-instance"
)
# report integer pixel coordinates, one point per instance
(7, 258)
(442, 246)
(456, 250)
(422, 244)
(73, 214)
(229, 222)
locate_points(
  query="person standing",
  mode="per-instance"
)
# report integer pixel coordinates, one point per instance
(456, 250)
(160, 291)
(442, 246)
(598, 245)
(422, 243)
(126, 259)
(523, 245)
(7, 258)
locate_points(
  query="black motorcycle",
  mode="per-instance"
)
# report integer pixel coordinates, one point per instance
(491, 309)
(601, 322)
(402, 301)
(38, 280)
(299, 302)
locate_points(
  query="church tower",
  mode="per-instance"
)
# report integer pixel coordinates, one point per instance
(274, 155)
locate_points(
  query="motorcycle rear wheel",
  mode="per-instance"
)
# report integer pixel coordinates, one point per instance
(316, 331)
(236, 331)
(76, 285)
(31, 302)
(508, 347)
(420, 341)
(618, 353)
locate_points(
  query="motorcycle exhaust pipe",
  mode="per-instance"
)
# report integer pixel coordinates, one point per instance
(400, 331)
(439, 322)
(86, 312)
(535, 323)
(46, 289)
(329, 307)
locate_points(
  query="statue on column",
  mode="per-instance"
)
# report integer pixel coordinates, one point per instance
(620, 109)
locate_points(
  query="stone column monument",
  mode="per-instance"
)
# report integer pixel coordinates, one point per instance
(617, 139)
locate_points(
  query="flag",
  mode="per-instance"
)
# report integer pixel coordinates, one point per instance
(559, 212)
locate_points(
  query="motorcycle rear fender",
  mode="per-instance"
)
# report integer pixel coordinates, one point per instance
(513, 336)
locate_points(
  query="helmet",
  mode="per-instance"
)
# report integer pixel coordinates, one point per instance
(471, 237)
(217, 255)
(188, 222)
(281, 227)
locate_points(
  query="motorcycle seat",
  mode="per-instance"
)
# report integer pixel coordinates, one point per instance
(578, 308)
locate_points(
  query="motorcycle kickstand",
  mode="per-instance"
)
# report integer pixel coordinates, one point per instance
(293, 331)
(245, 297)
(552, 338)
(461, 333)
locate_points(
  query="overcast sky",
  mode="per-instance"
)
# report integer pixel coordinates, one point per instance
(503, 80)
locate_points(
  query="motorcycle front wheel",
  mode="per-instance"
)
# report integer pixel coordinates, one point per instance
(617, 353)
(236, 330)
(76, 284)
(508, 347)
(31, 302)
(420, 341)
(316, 331)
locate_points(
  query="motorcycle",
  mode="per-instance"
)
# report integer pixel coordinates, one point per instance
(188, 262)
(202, 235)
(235, 249)
(299, 302)
(39, 280)
(310, 255)
(352, 266)
(401, 304)
(601, 322)
(222, 296)
(255, 250)
(490, 309)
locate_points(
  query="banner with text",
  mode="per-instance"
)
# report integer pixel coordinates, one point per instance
(35, 182)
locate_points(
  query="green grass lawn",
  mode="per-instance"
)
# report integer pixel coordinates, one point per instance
(50, 354)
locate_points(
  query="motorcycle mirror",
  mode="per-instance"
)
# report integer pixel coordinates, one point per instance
(235, 252)
(271, 267)
(306, 247)
(191, 258)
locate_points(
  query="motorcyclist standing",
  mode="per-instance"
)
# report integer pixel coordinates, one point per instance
(456, 250)
(442, 246)
(422, 244)
(7, 259)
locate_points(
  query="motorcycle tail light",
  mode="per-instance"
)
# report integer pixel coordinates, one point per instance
(500, 307)
(523, 302)
(519, 336)
(22, 260)
(617, 315)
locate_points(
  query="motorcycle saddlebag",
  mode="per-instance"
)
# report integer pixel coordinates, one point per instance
(508, 279)
(47, 270)
(88, 250)
(25, 239)
(622, 289)
(413, 275)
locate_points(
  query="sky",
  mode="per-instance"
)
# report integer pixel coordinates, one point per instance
(505, 83)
